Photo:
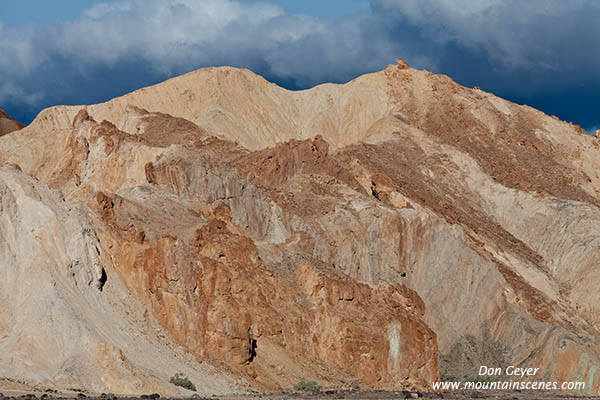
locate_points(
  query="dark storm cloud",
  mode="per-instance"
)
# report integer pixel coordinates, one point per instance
(538, 52)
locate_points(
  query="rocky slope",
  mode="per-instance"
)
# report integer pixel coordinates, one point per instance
(376, 233)
(7, 124)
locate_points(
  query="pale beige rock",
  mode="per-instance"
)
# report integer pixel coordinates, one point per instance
(58, 328)
(488, 210)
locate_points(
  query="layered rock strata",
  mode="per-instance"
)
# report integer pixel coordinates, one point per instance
(376, 233)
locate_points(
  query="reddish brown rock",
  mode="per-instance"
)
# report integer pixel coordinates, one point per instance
(7, 124)
(215, 296)
(380, 232)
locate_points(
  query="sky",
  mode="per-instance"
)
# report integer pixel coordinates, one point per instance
(544, 53)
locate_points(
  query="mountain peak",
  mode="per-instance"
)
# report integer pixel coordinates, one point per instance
(398, 225)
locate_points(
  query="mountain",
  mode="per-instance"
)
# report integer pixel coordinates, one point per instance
(379, 233)
(7, 124)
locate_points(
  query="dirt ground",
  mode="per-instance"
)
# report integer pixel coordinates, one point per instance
(21, 391)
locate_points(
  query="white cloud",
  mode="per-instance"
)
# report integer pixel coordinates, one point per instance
(9, 90)
(159, 31)
(17, 50)
(449, 10)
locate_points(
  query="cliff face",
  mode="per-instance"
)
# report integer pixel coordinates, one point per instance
(377, 233)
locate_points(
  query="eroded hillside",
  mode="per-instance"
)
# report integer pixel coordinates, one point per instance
(376, 233)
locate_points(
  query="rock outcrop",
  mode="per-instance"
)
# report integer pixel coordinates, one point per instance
(379, 233)
(7, 124)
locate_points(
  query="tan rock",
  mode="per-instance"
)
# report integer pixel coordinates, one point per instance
(380, 232)
(402, 64)
(58, 328)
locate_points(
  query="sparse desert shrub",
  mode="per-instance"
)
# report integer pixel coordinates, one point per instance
(180, 380)
(449, 378)
(308, 386)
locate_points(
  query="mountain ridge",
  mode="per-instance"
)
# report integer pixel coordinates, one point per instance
(468, 222)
